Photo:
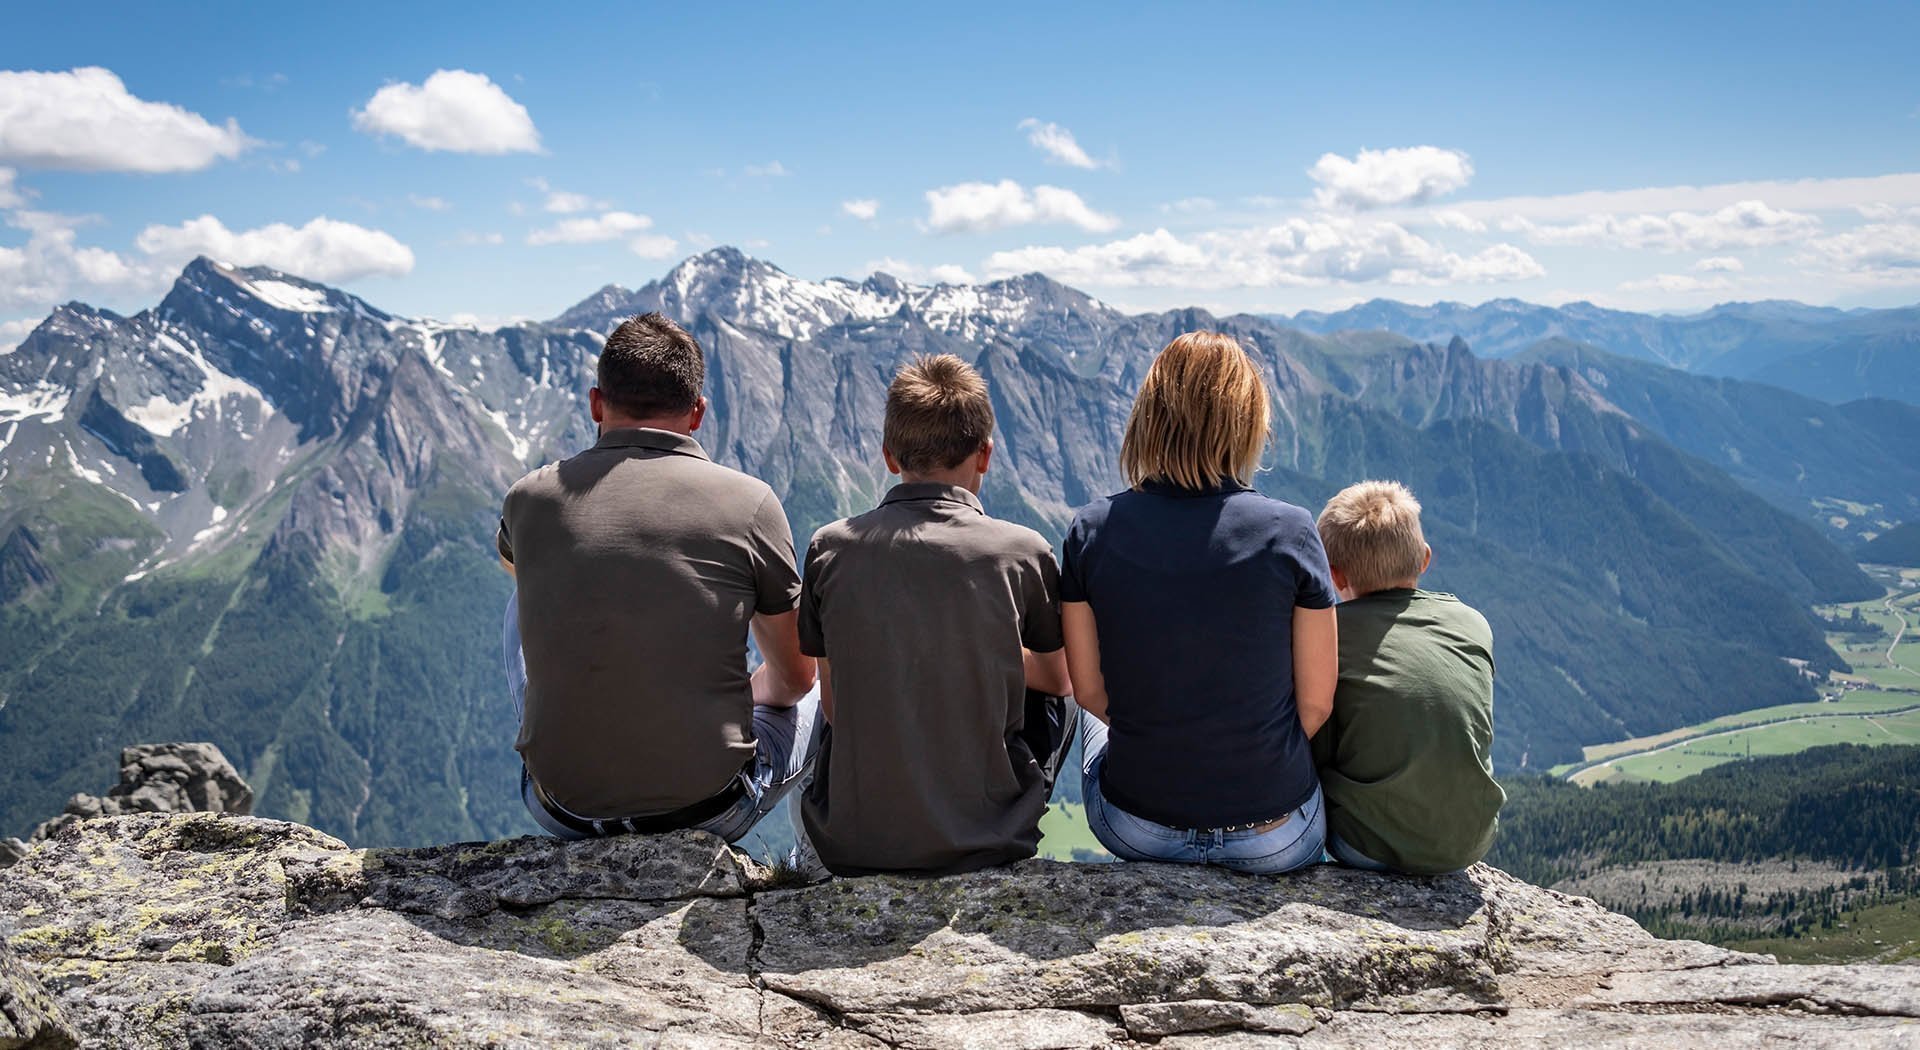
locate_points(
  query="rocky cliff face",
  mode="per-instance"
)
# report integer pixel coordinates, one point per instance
(178, 930)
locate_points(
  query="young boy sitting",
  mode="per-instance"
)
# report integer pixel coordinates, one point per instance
(937, 629)
(1404, 761)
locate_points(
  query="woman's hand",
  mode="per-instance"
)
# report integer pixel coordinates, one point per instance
(1316, 665)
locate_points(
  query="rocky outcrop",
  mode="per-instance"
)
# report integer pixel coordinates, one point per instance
(219, 930)
(28, 1017)
(154, 778)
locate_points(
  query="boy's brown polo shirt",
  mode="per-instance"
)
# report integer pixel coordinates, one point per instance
(640, 564)
(922, 606)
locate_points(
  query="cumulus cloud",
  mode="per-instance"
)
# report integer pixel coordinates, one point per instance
(654, 246)
(87, 120)
(1875, 254)
(1189, 206)
(12, 333)
(1453, 219)
(1677, 283)
(563, 202)
(1719, 264)
(914, 273)
(976, 207)
(11, 195)
(769, 170)
(453, 111)
(322, 250)
(1382, 178)
(52, 266)
(474, 238)
(607, 226)
(425, 203)
(1057, 143)
(1296, 252)
(1744, 224)
(863, 209)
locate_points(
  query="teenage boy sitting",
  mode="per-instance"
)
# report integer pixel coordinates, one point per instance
(1405, 760)
(937, 629)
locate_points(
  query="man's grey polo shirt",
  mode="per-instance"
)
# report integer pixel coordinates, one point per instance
(922, 606)
(640, 564)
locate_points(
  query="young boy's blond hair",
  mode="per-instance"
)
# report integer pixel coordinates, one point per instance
(1372, 534)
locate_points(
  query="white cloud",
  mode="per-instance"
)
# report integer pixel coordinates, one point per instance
(12, 333)
(1677, 283)
(770, 170)
(864, 209)
(914, 273)
(1387, 177)
(322, 250)
(1874, 254)
(1719, 264)
(1296, 252)
(975, 207)
(86, 120)
(1189, 206)
(1453, 219)
(1743, 224)
(562, 202)
(1057, 143)
(654, 246)
(455, 111)
(1807, 195)
(51, 266)
(11, 195)
(473, 239)
(607, 226)
(428, 203)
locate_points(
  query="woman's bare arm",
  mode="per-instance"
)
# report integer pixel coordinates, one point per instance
(1316, 665)
(1083, 658)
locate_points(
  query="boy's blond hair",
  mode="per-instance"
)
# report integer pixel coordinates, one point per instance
(1372, 535)
(1201, 416)
(938, 414)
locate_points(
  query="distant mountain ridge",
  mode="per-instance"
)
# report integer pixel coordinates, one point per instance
(1834, 355)
(260, 513)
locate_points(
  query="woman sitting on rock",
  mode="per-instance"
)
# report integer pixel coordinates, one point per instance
(1200, 632)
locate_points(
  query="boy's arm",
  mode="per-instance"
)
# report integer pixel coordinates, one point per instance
(787, 673)
(1316, 665)
(826, 689)
(1083, 658)
(1047, 672)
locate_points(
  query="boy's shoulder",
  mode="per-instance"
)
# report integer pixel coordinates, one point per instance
(989, 535)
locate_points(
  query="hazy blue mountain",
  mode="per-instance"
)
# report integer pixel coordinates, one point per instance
(1899, 545)
(261, 512)
(1833, 355)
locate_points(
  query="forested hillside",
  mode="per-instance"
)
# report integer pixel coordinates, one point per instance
(1899, 545)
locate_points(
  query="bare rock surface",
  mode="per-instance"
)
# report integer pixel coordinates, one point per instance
(154, 778)
(189, 930)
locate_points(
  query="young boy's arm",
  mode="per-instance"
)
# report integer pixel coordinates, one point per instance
(1047, 672)
(1316, 665)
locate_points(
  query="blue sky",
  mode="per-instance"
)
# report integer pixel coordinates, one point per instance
(1240, 157)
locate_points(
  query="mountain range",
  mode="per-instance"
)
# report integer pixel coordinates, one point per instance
(260, 512)
(1834, 355)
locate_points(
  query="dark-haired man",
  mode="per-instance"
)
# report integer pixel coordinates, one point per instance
(640, 567)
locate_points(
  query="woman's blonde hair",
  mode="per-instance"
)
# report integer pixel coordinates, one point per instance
(1201, 416)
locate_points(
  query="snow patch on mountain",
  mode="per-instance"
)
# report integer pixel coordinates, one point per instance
(162, 416)
(291, 297)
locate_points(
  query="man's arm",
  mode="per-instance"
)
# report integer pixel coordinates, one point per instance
(507, 565)
(1083, 658)
(787, 673)
(1047, 672)
(1316, 665)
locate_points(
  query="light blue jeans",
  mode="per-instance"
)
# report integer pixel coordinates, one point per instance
(785, 740)
(1295, 844)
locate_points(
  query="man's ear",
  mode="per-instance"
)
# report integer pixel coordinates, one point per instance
(984, 457)
(699, 413)
(596, 404)
(893, 465)
(1428, 563)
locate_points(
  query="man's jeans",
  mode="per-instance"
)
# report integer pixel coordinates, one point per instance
(785, 741)
(1294, 844)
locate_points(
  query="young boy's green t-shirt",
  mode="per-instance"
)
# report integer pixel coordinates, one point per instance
(1405, 761)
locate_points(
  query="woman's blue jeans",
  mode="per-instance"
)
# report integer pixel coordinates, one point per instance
(1295, 844)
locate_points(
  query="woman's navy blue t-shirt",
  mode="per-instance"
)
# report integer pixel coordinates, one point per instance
(1193, 594)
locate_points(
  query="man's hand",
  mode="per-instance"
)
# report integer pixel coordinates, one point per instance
(787, 673)
(507, 565)
(1316, 665)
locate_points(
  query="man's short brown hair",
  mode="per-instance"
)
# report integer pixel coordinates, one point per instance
(938, 414)
(1372, 535)
(651, 367)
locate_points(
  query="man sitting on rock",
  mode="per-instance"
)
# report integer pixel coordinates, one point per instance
(640, 567)
(941, 668)
(1406, 758)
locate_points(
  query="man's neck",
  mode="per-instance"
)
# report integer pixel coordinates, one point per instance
(676, 426)
(959, 477)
